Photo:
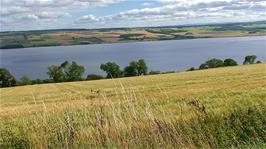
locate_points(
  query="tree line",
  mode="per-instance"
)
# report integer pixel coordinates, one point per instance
(71, 71)
(215, 63)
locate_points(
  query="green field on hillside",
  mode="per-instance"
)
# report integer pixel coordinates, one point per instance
(214, 108)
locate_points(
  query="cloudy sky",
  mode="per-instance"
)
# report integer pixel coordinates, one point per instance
(53, 14)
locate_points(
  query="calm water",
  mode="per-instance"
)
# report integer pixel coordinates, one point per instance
(175, 55)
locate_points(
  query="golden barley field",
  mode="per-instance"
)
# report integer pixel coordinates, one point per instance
(214, 108)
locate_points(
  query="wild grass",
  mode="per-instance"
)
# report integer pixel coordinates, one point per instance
(219, 108)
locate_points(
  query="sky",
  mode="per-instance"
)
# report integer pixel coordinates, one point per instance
(57, 14)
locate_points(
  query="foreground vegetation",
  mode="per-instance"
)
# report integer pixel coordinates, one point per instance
(25, 39)
(214, 108)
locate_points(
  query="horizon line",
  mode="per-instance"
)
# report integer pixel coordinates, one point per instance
(105, 28)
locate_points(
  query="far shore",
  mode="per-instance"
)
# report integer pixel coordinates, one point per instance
(133, 42)
(68, 37)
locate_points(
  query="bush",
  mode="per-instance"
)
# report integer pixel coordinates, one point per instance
(25, 80)
(154, 72)
(230, 62)
(37, 81)
(250, 59)
(191, 69)
(94, 77)
(212, 63)
(203, 66)
(167, 72)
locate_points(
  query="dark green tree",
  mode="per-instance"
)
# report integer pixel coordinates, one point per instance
(66, 72)
(112, 69)
(64, 68)
(131, 70)
(250, 59)
(136, 68)
(55, 72)
(6, 78)
(74, 72)
(142, 67)
(230, 62)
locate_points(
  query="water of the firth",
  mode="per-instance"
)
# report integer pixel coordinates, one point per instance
(169, 55)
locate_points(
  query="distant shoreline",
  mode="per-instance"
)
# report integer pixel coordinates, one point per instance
(47, 38)
(133, 42)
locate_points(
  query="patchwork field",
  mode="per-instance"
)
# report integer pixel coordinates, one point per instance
(24, 39)
(215, 108)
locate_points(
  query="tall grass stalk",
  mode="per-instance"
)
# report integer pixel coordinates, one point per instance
(134, 119)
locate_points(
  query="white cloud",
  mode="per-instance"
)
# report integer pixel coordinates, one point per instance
(146, 4)
(12, 10)
(43, 13)
(90, 18)
(36, 12)
(30, 17)
(47, 14)
(176, 10)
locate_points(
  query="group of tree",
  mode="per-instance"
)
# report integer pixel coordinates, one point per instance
(135, 68)
(66, 72)
(71, 71)
(215, 63)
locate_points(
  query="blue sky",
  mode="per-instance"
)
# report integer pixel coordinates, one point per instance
(53, 14)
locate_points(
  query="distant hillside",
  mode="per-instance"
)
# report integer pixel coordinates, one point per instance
(57, 37)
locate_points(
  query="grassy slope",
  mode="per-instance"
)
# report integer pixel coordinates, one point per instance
(211, 108)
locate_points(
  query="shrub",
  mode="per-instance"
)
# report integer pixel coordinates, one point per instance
(25, 80)
(250, 59)
(230, 62)
(94, 77)
(154, 72)
(167, 72)
(214, 63)
(191, 69)
(203, 66)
